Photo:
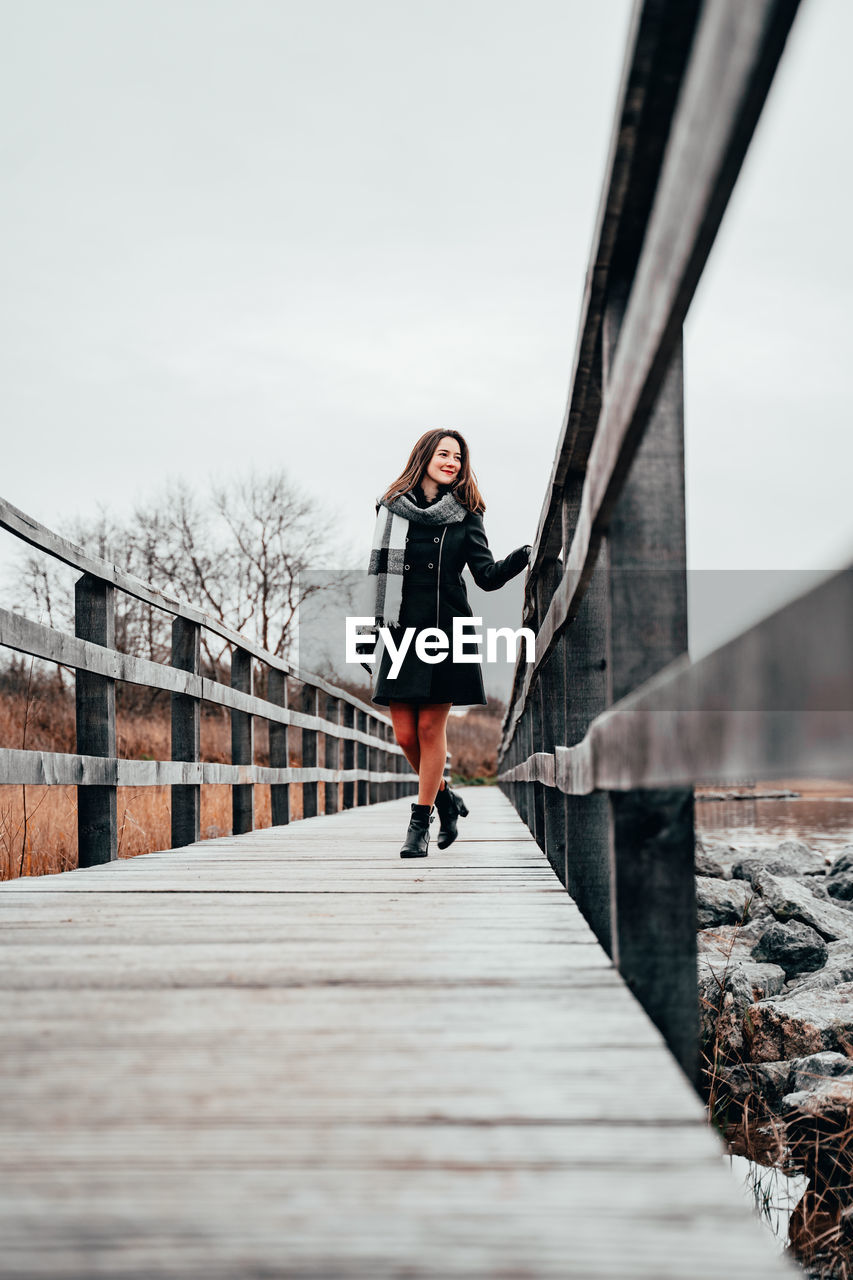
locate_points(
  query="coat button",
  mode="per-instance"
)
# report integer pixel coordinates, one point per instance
(405, 566)
(429, 566)
(435, 539)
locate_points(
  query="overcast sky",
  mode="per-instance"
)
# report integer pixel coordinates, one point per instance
(276, 233)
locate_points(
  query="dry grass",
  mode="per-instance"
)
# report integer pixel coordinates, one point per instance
(38, 825)
(820, 1230)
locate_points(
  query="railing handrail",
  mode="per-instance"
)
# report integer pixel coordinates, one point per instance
(358, 737)
(25, 528)
(683, 189)
(610, 725)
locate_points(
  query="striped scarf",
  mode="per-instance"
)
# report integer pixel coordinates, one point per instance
(389, 546)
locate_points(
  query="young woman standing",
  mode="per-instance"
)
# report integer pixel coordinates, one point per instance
(429, 525)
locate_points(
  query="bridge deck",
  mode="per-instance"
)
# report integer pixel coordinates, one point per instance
(294, 1053)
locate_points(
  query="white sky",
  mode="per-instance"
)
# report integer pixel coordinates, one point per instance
(280, 233)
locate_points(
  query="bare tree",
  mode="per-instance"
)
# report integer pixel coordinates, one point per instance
(239, 553)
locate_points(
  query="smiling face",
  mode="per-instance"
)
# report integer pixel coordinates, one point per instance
(445, 463)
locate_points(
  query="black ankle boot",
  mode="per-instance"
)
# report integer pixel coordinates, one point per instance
(417, 836)
(450, 807)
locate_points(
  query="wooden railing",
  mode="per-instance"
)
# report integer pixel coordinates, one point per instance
(609, 729)
(360, 752)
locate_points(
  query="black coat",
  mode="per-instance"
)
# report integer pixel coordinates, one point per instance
(433, 594)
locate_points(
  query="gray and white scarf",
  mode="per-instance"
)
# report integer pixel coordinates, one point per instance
(389, 546)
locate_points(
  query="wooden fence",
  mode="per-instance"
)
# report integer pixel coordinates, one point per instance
(610, 728)
(362, 763)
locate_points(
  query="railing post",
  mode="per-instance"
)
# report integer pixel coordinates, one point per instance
(587, 816)
(537, 788)
(309, 752)
(279, 791)
(242, 745)
(186, 734)
(389, 764)
(348, 719)
(552, 694)
(521, 740)
(332, 755)
(361, 759)
(652, 835)
(94, 620)
(529, 787)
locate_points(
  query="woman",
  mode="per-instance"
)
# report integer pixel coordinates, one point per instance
(429, 525)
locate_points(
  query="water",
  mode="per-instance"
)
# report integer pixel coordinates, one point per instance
(772, 1194)
(820, 817)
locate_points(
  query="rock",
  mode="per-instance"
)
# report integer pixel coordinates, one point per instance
(797, 947)
(721, 853)
(720, 901)
(799, 1023)
(736, 940)
(837, 969)
(831, 1102)
(790, 899)
(772, 1081)
(727, 941)
(705, 864)
(839, 880)
(791, 857)
(807, 1073)
(817, 1129)
(843, 861)
(727, 990)
(840, 886)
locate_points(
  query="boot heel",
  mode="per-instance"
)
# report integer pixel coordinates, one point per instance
(462, 808)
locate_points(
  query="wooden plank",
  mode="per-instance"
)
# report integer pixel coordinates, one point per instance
(54, 768)
(43, 642)
(95, 703)
(769, 703)
(445, 1054)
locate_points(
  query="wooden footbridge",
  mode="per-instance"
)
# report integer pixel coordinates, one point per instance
(288, 1053)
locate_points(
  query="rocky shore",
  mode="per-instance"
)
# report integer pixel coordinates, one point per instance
(775, 947)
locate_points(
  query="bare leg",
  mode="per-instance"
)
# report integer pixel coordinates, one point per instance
(432, 737)
(404, 718)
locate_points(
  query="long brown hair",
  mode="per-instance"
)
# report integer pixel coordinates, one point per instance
(464, 487)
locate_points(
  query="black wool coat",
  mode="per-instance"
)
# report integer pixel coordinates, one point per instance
(433, 594)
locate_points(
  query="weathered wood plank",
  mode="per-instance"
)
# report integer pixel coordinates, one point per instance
(442, 1052)
(50, 768)
(769, 703)
(43, 642)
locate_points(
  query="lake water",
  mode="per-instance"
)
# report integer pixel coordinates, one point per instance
(822, 821)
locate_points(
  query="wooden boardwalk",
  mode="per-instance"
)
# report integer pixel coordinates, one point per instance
(292, 1053)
